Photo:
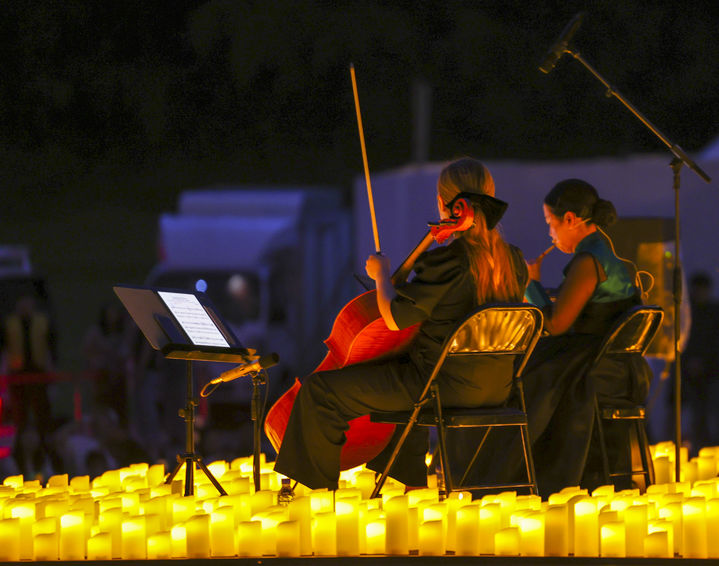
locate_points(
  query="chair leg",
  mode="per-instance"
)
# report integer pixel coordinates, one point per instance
(442, 440)
(398, 446)
(528, 459)
(602, 441)
(644, 452)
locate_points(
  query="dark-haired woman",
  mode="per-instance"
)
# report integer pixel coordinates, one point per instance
(597, 288)
(476, 267)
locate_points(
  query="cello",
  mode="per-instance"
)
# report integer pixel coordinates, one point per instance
(359, 334)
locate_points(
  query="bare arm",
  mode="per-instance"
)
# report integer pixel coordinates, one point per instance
(377, 268)
(577, 288)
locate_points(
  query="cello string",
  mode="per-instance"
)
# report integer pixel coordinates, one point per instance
(364, 160)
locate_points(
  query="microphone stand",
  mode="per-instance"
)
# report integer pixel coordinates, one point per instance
(680, 158)
(258, 378)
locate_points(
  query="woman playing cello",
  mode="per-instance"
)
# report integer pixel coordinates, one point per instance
(476, 267)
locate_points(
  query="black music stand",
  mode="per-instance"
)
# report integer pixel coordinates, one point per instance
(184, 325)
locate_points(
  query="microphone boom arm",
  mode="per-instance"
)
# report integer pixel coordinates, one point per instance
(611, 91)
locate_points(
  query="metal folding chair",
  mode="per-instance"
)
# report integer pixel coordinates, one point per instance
(630, 335)
(496, 329)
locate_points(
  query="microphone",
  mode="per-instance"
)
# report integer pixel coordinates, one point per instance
(258, 365)
(557, 50)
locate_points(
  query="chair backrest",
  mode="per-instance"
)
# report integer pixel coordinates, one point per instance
(501, 328)
(633, 331)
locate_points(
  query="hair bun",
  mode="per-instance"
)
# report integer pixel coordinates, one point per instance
(604, 214)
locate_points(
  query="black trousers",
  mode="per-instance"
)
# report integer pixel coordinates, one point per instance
(327, 401)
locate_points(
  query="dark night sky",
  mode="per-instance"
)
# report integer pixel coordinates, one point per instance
(108, 109)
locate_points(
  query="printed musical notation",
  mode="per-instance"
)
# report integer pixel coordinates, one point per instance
(193, 318)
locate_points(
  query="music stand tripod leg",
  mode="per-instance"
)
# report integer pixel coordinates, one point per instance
(189, 458)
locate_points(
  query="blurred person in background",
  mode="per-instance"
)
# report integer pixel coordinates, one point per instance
(700, 369)
(28, 351)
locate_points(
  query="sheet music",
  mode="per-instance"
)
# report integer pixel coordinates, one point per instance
(193, 318)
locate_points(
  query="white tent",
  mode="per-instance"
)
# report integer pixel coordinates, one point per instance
(639, 186)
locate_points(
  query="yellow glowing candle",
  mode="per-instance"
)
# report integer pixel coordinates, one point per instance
(490, 521)
(662, 525)
(110, 521)
(586, 528)
(556, 530)
(10, 540)
(25, 512)
(347, 528)
(321, 501)
(413, 528)
(99, 547)
(324, 534)
(134, 540)
(635, 521)
(159, 546)
(182, 508)
(80, 483)
(45, 539)
(198, 536)
(222, 532)
(531, 534)
(72, 536)
(468, 530)
(672, 512)
(431, 538)
(656, 545)
(178, 541)
(397, 525)
(613, 539)
(506, 542)
(300, 510)
(288, 539)
(45, 546)
(375, 532)
(249, 539)
(712, 520)
(694, 528)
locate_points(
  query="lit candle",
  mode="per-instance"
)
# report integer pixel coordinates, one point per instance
(45, 546)
(25, 512)
(556, 530)
(10, 540)
(531, 534)
(662, 470)
(183, 507)
(613, 539)
(347, 528)
(321, 501)
(45, 539)
(376, 531)
(198, 536)
(159, 546)
(506, 542)
(222, 532)
(468, 530)
(134, 540)
(635, 522)
(431, 538)
(324, 534)
(586, 528)
(365, 482)
(695, 528)
(249, 539)
(657, 545)
(413, 528)
(99, 547)
(178, 541)
(672, 512)
(288, 539)
(110, 521)
(490, 521)
(397, 525)
(72, 536)
(712, 521)
(300, 510)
